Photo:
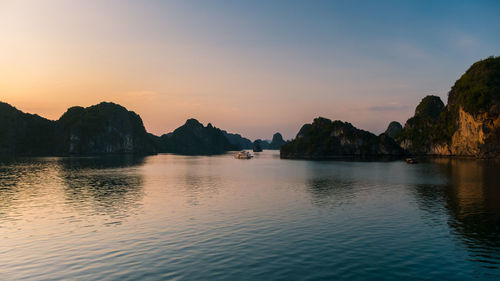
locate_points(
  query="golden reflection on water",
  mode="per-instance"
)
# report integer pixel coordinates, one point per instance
(471, 197)
(97, 188)
(54, 204)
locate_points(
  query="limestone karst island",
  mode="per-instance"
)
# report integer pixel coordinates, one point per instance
(249, 140)
(467, 126)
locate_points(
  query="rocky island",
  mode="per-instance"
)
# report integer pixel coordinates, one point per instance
(277, 141)
(469, 125)
(102, 129)
(238, 141)
(106, 128)
(326, 139)
(193, 138)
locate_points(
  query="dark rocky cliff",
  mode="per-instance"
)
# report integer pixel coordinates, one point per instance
(193, 138)
(277, 141)
(324, 139)
(25, 134)
(238, 141)
(105, 128)
(393, 129)
(102, 129)
(418, 134)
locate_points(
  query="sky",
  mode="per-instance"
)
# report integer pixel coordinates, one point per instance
(249, 67)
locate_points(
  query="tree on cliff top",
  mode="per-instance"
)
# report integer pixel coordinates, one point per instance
(478, 89)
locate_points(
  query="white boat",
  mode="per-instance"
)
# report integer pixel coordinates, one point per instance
(243, 155)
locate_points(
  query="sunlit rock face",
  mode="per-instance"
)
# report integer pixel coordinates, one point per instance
(469, 125)
(474, 103)
(477, 135)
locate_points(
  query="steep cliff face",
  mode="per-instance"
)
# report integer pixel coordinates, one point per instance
(469, 125)
(324, 139)
(103, 129)
(474, 104)
(476, 135)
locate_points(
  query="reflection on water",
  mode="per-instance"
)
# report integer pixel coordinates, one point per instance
(211, 218)
(22, 182)
(471, 197)
(199, 179)
(102, 185)
(326, 191)
(93, 185)
(105, 162)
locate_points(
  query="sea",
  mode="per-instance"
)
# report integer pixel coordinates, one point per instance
(171, 217)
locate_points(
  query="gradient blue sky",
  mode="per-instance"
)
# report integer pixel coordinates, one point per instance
(251, 67)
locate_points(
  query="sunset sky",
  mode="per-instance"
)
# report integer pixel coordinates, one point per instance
(250, 67)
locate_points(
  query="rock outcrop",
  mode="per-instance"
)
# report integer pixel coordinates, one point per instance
(106, 128)
(25, 134)
(277, 141)
(257, 145)
(324, 139)
(419, 131)
(238, 141)
(193, 138)
(469, 125)
(393, 129)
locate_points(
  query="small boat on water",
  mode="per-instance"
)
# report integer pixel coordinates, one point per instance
(411, 160)
(243, 155)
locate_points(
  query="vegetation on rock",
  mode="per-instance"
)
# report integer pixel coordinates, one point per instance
(103, 128)
(478, 90)
(325, 139)
(193, 138)
(468, 125)
(393, 129)
(419, 130)
(100, 129)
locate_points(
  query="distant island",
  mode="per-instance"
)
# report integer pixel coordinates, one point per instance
(108, 128)
(324, 139)
(468, 125)
(193, 138)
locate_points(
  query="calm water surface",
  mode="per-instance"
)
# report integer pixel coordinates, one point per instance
(172, 217)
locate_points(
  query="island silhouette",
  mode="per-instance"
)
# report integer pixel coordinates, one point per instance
(468, 125)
